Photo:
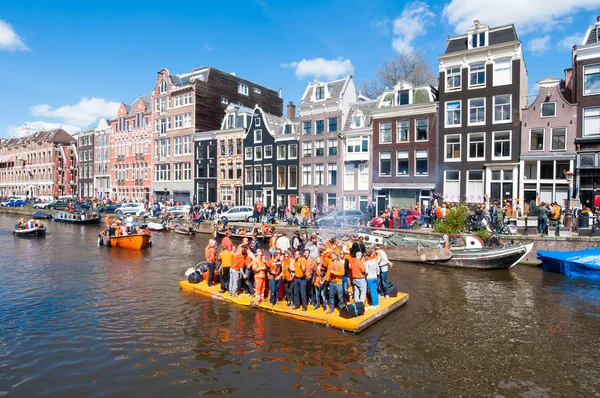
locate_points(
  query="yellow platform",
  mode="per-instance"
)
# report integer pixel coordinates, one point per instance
(355, 324)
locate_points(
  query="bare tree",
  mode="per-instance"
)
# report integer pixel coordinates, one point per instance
(409, 66)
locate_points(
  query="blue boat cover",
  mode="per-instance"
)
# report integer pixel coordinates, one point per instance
(583, 263)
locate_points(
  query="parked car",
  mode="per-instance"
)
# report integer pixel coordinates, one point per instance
(339, 217)
(410, 218)
(109, 209)
(59, 204)
(41, 205)
(177, 210)
(137, 209)
(14, 203)
(237, 213)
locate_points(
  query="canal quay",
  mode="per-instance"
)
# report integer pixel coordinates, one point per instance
(80, 319)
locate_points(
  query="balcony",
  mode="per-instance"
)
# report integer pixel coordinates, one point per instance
(356, 156)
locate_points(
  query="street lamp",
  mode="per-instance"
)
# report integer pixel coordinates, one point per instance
(568, 215)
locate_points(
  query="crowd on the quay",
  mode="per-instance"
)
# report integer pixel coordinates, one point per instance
(312, 270)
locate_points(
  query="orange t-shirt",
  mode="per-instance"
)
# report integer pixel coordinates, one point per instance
(259, 268)
(238, 262)
(285, 271)
(357, 268)
(226, 258)
(335, 272)
(210, 254)
(274, 267)
(298, 271)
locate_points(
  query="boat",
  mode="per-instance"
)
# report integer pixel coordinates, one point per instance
(77, 218)
(136, 242)
(30, 232)
(318, 316)
(154, 226)
(492, 257)
(41, 215)
(581, 263)
(221, 232)
(184, 229)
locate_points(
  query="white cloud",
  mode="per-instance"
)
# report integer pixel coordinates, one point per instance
(39, 125)
(85, 113)
(410, 24)
(539, 45)
(9, 40)
(526, 15)
(207, 47)
(568, 42)
(320, 67)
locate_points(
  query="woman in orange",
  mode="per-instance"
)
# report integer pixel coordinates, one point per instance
(320, 284)
(259, 267)
(288, 279)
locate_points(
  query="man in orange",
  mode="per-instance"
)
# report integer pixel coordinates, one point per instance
(298, 267)
(237, 267)
(259, 267)
(226, 259)
(226, 243)
(274, 269)
(210, 253)
(335, 275)
(288, 279)
(357, 272)
(311, 266)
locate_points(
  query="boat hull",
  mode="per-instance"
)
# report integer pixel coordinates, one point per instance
(242, 236)
(75, 218)
(135, 242)
(582, 263)
(418, 254)
(30, 232)
(496, 257)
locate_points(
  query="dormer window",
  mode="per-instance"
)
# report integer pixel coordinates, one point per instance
(287, 129)
(357, 121)
(403, 97)
(320, 93)
(231, 121)
(478, 40)
(163, 86)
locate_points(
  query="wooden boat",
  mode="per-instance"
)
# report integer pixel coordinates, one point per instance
(581, 263)
(30, 232)
(41, 215)
(318, 316)
(154, 226)
(494, 257)
(184, 230)
(418, 254)
(136, 242)
(77, 218)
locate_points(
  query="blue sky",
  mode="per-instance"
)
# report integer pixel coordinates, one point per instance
(70, 63)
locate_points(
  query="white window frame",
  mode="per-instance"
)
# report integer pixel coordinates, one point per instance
(289, 178)
(381, 135)
(321, 169)
(319, 144)
(480, 85)
(469, 158)
(482, 181)
(543, 139)
(307, 170)
(596, 116)
(398, 127)
(407, 157)
(451, 74)
(542, 109)
(459, 114)
(258, 170)
(445, 193)
(279, 157)
(446, 158)
(469, 122)
(496, 79)
(494, 109)
(265, 152)
(330, 168)
(242, 88)
(478, 35)
(421, 157)
(416, 133)
(290, 152)
(258, 131)
(494, 133)
(584, 74)
(349, 177)
(267, 167)
(248, 153)
(552, 136)
(390, 159)
(258, 153)
(307, 148)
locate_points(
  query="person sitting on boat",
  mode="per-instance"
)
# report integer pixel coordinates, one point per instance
(82, 216)
(241, 231)
(129, 221)
(31, 224)
(118, 230)
(39, 224)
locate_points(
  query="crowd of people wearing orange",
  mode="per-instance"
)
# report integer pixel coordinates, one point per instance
(116, 227)
(316, 272)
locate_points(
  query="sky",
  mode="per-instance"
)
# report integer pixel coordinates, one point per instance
(70, 63)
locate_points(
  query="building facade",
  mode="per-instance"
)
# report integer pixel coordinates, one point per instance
(585, 89)
(483, 87)
(40, 165)
(131, 159)
(404, 146)
(85, 169)
(323, 109)
(548, 129)
(189, 103)
(102, 159)
(205, 179)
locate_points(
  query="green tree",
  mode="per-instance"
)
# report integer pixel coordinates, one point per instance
(454, 222)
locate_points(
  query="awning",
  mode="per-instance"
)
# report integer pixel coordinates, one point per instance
(399, 185)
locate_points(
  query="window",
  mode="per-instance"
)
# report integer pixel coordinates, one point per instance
(306, 174)
(452, 147)
(477, 40)
(587, 159)
(477, 75)
(546, 169)
(402, 133)
(548, 109)
(248, 175)
(257, 135)
(188, 99)
(453, 79)
(452, 185)
(403, 97)
(307, 149)
(238, 146)
(187, 171)
(226, 193)
(281, 177)
(332, 147)
(163, 86)
(307, 127)
(268, 174)
(421, 129)
(475, 187)
(421, 163)
(222, 169)
(349, 177)
(178, 100)
(320, 93)
(238, 171)
(177, 142)
(257, 122)
(268, 151)
(402, 163)
(363, 177)
(319, 126)
(162, 172)
(293, 177)
(561, 167)
(224, 100)
(187, 120)
(331, 173)
(591, 79)
(453, 114)
(230, 147)
(319, 148)
(257, 90)
(476, 146)
(385, 133)
(536, 140)
(333, 124)
(502, 72)
(385, 164)
(319, 174)
(357, 121)
(222, 146)
(258, 153)
(293, 151)
(591, 121)
(357, 144)
(558, 139)
(530, 171)
(349, 202)
(280, 152)
(501, 144)
(287, 129)
(248, 155)
(243, 88)
(476, 111)
(258, 175)
(502, 108)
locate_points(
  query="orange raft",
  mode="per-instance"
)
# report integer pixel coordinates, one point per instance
(318, 316)
(135, 242)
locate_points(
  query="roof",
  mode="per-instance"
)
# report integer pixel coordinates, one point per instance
(57, 135)
(336, 88)
(366, 107)
(275, 124)
(593, 34)
(499, 35)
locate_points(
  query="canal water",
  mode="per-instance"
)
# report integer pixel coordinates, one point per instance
(81, 320)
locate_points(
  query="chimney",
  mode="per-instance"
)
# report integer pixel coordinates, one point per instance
(291, 110)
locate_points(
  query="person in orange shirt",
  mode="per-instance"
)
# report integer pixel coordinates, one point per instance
(259, 267)
(237, 268)
(226, 258)
(210, 254)
(274, 277)
(335, 275)
(288, 279)
(320, 284)
(248, 272)
(357, 273)
(311, 266)
(226, 243)
(298, 267)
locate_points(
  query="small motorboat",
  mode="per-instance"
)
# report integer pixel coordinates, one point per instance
(30, 232)
(184, 229)
(154, 226)
(41, 215)
(135, 241)
(77, 218)
(581, 263)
